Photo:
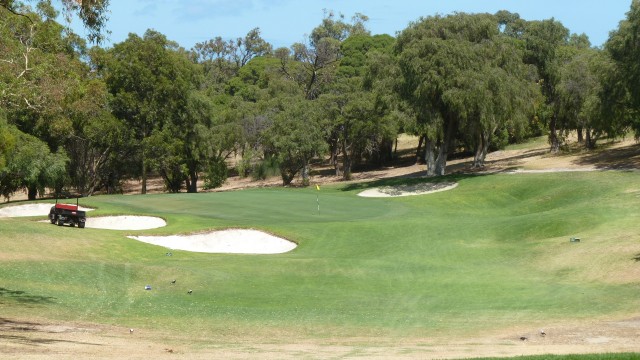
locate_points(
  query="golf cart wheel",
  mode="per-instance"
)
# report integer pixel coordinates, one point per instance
(53, 220)
(60, 222)
(81, 225)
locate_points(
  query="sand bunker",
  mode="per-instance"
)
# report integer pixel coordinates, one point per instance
(125, 222)
(41, 209)
(234, 241)
(408, 190)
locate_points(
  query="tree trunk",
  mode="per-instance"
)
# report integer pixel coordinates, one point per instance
(32, 192)
(441, 161)
(553, 135)
(429, 156)
(305, 174)
(144, 159)
(335, 149)
(395, 149)
(192, 181)
(346, 162)
(590, 142)
(346, 157)
(482, 147)
(580, 137)
(419, 158)
(144, 171)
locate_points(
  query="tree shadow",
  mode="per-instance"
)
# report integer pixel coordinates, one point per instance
(30, 327)
(24, 297)
(622, 158)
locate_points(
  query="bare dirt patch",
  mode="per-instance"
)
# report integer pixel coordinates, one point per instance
(35, 339)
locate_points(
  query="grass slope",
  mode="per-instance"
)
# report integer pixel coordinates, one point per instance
(490, 254)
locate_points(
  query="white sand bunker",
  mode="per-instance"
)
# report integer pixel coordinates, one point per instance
(41, 209)
(408, 190)
(125, 222)
(233, 241)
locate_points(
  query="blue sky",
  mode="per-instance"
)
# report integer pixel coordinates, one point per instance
(284, 22)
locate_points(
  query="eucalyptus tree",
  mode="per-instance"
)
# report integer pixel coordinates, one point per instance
(7, 140)
(358, 103)
(93, 13)
(313, 64)
(295, 137)
(583, 81)
(40, 72)
(98, 148)
(624, 49)
(32, 166)
(223, 59)
(545, 41)
(49, 92)
(148, 78)
(463, 78)
(355, 122)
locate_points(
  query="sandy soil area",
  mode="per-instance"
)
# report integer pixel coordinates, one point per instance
(232, 241)
(125, 222)
(29, 210)
(408, 190)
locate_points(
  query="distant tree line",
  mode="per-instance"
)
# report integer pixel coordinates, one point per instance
(86, 119)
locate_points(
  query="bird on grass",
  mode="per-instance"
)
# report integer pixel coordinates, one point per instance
(130, 331)
(173, 281)
(542, 333)
(189, 292)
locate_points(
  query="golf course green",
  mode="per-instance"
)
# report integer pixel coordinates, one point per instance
(493, 253)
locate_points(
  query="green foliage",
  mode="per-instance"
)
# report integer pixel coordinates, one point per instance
(265, 168)
(625, 51)
(476, 80)
(7, 141)
(357, 48)
(295, 138)
(215, 174)
(167, 159)
(32, 166)
(151, 81)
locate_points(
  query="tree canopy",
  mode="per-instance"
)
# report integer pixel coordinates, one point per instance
(87, 120)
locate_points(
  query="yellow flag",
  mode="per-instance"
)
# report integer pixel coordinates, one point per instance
(318, 187)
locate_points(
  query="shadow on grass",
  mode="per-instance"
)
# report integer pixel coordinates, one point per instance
(624, 158)
(23, 297)
(32, 328)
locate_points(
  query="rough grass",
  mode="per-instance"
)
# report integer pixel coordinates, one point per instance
(490, 254)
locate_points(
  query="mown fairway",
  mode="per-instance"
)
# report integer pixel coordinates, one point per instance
(492, 253)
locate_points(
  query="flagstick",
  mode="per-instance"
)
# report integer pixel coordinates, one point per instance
(318, 197)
